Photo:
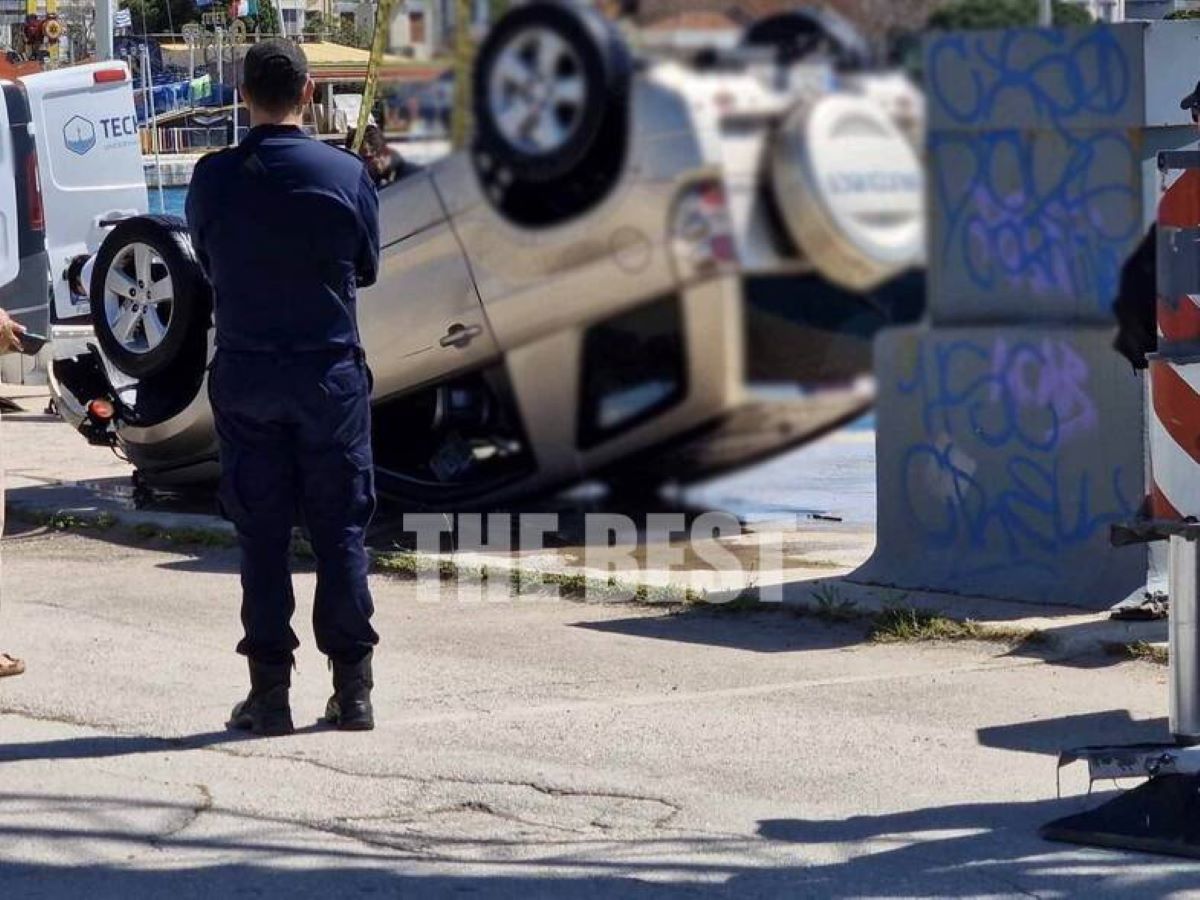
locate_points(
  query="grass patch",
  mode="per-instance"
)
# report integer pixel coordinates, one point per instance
(407, 565)
(906, 624)
(62, 520)
(199, 537)
(65, 521)
(208, 538)
(820, 563)
(1143, 651)
(832, 606)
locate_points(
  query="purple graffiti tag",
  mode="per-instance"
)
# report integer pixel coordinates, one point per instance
(1051, 376)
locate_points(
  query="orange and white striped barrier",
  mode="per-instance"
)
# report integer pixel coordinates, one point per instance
(1175, 438)
(1175, 369)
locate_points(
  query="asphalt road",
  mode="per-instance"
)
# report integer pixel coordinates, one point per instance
(538, 748)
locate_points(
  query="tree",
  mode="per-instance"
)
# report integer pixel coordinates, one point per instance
(971, 14)
(464, 58)
(268, 18)
(314, 24)
(160, 16)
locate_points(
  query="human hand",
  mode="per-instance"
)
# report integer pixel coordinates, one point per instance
(10, 332)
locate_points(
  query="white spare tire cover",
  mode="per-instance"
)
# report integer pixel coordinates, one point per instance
(851, 190)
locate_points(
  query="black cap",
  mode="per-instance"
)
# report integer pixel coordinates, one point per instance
(274, 73)
(1192, 100)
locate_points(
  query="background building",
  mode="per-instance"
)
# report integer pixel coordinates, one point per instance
(1106, 10)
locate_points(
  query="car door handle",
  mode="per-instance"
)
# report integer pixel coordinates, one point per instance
(459, 335)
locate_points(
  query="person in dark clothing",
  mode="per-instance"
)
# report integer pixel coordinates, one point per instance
(383, 163)
(1136, 304)
(287, 229)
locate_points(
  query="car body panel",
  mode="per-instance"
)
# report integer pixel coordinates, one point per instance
(550, 406)
(10, 238)
(534, 299)
(424, 291)
(614, 257)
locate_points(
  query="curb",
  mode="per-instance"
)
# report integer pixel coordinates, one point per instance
(891, 614)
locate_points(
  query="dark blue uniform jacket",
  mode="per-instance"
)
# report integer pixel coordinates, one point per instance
(286, 229)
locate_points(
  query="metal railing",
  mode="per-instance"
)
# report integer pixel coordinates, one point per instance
(200, 138)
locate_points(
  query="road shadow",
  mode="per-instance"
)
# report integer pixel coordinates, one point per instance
(975, 849)
(775, 630)
(926, 852)
(116, 746)
(1051, 736)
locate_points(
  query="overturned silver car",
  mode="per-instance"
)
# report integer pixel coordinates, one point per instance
(614, 281)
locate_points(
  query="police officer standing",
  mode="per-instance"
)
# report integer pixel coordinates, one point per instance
(286, 228)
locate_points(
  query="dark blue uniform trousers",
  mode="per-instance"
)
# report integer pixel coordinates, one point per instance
(295, 433)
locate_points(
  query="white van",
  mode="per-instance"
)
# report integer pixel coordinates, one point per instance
(90, 168)
(71, 138)
(22, 226)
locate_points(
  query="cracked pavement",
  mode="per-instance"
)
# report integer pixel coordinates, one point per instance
(538, 748)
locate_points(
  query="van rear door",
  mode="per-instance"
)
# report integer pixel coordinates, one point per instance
(10, 250)
(89, 164)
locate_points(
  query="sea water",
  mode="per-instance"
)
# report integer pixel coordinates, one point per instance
(170, 201)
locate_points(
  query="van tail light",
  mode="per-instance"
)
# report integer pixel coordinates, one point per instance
(701, 236)
(108, 76)
(33, 193)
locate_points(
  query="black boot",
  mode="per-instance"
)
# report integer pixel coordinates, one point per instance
(266, 711)
(350, 706)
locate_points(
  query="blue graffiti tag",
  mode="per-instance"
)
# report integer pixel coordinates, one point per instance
(1042, 201)
(1056, 75)
(1011, 407)
(1050, 216)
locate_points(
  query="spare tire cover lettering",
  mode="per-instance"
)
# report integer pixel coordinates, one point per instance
(851, 189)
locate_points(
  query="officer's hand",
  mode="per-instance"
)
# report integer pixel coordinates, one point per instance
(10, 332)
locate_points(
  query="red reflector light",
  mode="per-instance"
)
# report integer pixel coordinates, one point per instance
(33, 193)
(105, 76)
(101, 410)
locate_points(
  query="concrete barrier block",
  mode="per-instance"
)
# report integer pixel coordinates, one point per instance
(1036, 225)
(1003, 456)
(1042, 153)
(1030, 78)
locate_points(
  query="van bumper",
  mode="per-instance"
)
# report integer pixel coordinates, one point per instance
(27, 297)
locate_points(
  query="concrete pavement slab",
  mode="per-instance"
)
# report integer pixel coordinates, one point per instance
(542, 749)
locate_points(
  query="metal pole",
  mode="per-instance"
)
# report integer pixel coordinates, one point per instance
(104, 29)
(148, 82)
(383, 21)
(1046, 13)
(219, 34)
(1184, 672)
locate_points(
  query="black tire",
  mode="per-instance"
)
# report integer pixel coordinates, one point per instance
(606, 70)
(191, 306)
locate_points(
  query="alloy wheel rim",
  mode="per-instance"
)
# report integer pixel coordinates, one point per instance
(139, 298)
(537, 91)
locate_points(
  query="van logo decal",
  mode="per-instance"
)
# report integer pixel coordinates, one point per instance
(79, 134)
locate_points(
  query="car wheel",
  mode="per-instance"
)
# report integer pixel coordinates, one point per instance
(148, 294)
(547, 78)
